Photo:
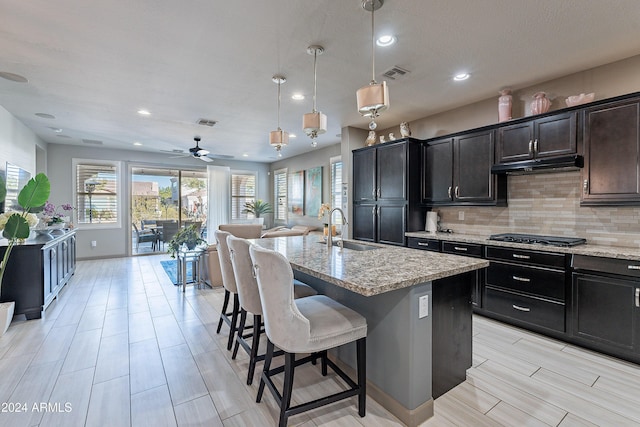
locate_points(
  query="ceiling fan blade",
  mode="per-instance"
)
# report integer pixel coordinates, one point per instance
(205, 158)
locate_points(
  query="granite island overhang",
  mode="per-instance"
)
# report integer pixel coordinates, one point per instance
(413, 355)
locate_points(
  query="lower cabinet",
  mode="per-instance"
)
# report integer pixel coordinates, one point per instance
(38, 269)
(380, 223)
(527, 287)
(471, 250)
(606, 305)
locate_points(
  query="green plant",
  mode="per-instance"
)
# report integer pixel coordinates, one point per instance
(189, 235)
(15, 226)
(257, 208)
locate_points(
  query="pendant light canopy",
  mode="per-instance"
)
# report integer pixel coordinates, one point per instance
(278, 138)
(314, 123)
(373, 99)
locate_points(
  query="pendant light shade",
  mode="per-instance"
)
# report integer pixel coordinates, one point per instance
(314, 123)
(278, 138)
(372, 99)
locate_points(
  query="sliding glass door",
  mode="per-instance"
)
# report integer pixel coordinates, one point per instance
(160, 196)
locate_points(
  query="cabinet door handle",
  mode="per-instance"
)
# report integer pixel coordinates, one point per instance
(525, 309)
(530, 148)
(378, 193)
(373, 193)
(633, 267)
(535, 146)
(637, 297)
(53, 253)
(521, 279)
(373, 211)
(457, 192)
(449, 192)
(585, 186)
(459, 248)
(521, 256)
(423, 244)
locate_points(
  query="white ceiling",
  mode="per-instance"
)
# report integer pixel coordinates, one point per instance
(93, 64)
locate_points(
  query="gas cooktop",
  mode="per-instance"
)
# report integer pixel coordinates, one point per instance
(542, 240)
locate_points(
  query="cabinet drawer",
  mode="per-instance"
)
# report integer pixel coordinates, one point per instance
(532, 310)
(467, 249)
(424, 244)
(537, 281)
(606, 265)
(524, 256)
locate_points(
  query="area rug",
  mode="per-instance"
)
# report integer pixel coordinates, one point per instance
(171, 268)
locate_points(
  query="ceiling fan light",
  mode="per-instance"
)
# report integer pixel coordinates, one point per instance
(278, 138)
(314, 124)
(373, 99)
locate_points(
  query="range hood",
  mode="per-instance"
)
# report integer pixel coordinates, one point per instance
(548, 164)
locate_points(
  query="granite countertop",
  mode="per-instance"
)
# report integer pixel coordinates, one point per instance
(586, 249)
(369, 272)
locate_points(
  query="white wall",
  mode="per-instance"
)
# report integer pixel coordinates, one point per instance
(17, 143)
(116, 242)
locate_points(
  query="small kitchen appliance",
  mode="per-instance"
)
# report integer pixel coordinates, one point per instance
(431, 225)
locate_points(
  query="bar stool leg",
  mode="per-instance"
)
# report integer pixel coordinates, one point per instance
(289, 365)
(243, 319)
(234, 321)
(361, 355)
(265, 370)
(255, 342)
(224, 310)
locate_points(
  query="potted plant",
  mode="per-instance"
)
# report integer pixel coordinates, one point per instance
(16, 227)
(257, 208)
(189, 236)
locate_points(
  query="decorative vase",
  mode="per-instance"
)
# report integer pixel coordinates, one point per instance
(540, 103)
(6, 315)
(504, 105)
(392, 137)
(382, 141)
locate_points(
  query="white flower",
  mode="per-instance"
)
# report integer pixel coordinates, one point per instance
(32, 219)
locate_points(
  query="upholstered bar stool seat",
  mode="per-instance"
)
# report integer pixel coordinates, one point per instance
(250, 300)
(313, 325)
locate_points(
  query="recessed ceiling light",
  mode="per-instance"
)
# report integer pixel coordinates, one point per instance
(137, 144)
(292, 135)
(144, 113)
(45, 116)
(245, 155)
(385, 40)
(13, 77)
(297, 96)
(461, 76)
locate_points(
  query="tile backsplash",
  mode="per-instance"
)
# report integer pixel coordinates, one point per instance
(548, 204)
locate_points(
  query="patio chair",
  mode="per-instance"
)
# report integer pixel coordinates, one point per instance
(145, 236)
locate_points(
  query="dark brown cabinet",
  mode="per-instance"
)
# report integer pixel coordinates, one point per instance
(526, 287)
(606, 305)
(553, 135)
(386, 191)
(475, 251)
(611, 174)
(457, 171)
(37, 271)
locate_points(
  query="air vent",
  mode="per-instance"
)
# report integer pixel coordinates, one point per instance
(396, 73)
(206, 122)
(92, 141)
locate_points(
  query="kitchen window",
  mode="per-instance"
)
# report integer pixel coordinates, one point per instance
(280, 193)
(97, 194)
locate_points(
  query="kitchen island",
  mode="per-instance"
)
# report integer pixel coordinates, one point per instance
(418, 311)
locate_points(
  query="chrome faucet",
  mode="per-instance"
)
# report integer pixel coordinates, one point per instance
(330, 230)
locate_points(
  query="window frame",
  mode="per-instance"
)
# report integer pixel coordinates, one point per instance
(120, 192)
(276, 202)
(231, 193)
(337, 194)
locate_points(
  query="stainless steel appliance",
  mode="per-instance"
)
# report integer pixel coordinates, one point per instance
(533, 238)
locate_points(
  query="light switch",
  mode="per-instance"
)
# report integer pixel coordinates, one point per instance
(423, 303)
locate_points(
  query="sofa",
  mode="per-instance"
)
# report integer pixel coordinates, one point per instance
(244, 231)
(296, 230)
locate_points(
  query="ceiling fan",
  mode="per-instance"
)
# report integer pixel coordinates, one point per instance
(195, 152)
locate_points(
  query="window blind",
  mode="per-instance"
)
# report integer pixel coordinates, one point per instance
(280, 192)
(243, 190)
(336, 188)
(96, 192)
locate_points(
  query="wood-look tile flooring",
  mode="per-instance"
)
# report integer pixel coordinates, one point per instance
(122, 346)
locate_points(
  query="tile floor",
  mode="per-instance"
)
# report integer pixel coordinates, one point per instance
(124, 347)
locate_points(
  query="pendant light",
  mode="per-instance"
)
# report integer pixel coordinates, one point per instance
(373, 99)
(278, 138)
(314, 123)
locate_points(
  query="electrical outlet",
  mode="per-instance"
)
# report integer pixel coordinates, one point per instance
(461, 215)
(94, 243)
(423, 303)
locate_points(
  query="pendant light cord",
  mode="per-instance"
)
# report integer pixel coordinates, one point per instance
(315, 78)
(279, 83)
(373, 44)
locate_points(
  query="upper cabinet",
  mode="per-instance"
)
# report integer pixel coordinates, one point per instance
(553, 135)
(611, 174)
(457, 171)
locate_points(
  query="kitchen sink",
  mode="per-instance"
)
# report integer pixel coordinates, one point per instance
(354, 246)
